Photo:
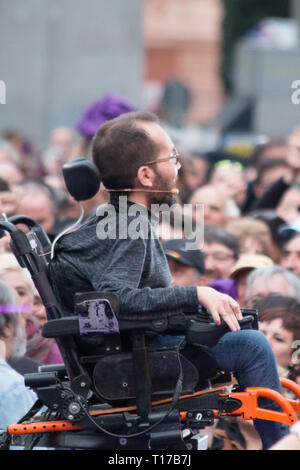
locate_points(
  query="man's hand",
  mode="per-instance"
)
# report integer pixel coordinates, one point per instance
(221, 306)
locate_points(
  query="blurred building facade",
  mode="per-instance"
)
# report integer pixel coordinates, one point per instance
(58, 56)
(182, 41)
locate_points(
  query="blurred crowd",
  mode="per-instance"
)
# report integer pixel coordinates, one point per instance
(251, 246)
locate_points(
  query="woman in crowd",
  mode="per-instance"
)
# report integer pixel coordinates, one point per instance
(279, 318)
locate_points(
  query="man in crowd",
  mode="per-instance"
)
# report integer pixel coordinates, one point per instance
(271, 280)
(220, 250)
(186, 266)
(291, 254)
(241, 270)
(137, 158)
(219, 207)
(38, 203)
(15, 398)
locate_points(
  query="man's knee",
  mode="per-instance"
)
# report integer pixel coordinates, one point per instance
(238, 349)
(252, 339)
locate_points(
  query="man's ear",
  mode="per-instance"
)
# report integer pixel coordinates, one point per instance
(145, 176)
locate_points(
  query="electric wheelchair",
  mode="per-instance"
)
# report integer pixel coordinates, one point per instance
(126, 396)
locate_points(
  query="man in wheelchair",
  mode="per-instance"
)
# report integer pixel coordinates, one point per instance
(138, 165)
(136, 159)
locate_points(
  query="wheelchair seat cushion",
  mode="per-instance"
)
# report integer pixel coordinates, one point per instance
(113, 375)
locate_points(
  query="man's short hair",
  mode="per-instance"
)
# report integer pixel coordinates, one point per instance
(214, 234)
(120, 147)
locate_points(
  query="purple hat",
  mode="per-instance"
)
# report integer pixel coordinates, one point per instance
(109, 107)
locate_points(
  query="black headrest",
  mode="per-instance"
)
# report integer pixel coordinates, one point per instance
(82, 178)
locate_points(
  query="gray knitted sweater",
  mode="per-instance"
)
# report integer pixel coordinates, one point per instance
(134, 269)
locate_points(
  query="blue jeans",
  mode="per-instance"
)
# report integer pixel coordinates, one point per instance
(248, 355)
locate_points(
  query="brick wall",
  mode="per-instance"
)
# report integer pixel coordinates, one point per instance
(182, 39)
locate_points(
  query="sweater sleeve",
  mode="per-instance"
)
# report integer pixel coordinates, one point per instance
(123, 276)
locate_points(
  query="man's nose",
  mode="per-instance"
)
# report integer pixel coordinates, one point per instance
(210, 263)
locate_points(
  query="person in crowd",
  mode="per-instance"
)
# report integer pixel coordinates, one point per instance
(58, 152)
(272, 148)
(177, 223)
(186, 266)
(39, 350)
(289, 204)
(291, 254)
(193, 174)
(8, 198)
(219, 207)
(27, 153)
(134, 152)
(279, 319)
(275, 225)
(274, 192)
(271, 280)
(253, 235)
(15, 399)
(53, 160)
(38, 202)
(9, 153)
(18, 278)
(220, 250)
(241, 270)
(62, 138)
(230, 177)
(11, 173)
(269, 171)
(109, 107)
(168, 228)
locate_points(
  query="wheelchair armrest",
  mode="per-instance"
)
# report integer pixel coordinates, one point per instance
(208, 334)
(69, 326)
(64, 326)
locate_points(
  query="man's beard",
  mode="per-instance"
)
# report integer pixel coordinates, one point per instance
(18, 348)
(161, 184)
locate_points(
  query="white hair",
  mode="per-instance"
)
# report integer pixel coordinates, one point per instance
(268, 271)
(8, 262)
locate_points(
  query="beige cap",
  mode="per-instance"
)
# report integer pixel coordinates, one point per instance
(250, 261)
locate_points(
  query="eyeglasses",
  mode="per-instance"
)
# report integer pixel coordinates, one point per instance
(218, 256)
(174, 158)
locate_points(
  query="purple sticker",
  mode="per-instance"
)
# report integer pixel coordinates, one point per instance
(97, 316)
(15, 308)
